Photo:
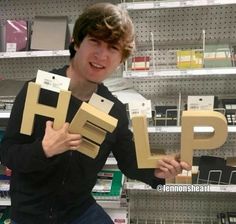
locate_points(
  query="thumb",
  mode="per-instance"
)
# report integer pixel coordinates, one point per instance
(49, 124)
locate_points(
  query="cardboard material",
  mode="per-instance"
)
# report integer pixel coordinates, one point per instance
(49, 33)
(143, 153)
(101, 103)
(191, 140)
(92, 124)
(32, 107)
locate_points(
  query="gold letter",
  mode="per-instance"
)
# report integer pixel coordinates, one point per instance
(32, 107)
(144, 157)
(92, 124)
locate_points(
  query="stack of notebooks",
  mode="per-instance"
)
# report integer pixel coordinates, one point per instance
(109, 185)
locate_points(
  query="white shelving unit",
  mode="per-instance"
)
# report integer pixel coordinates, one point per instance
(188, 73)
(175, 25)
(178, 25)
(32, 54)
(183, 188)
(143, 5)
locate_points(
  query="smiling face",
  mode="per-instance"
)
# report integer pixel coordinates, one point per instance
(95, 59)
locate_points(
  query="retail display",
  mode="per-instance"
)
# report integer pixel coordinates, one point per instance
(230, 110)
(189, 59)
(217, 56)
(227, 217)
(17, 35)
(214, 170)
(179, 68)
(166, 115)
(140, 63)
(109, 185)
(49, 33)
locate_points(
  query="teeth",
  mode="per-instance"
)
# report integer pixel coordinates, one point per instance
(97, 66)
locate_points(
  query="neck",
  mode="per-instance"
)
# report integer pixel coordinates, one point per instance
(80, 88)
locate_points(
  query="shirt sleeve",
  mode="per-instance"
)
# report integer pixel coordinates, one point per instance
(18, 151)
(124, 152)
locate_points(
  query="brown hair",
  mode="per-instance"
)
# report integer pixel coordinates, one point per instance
(106, 22)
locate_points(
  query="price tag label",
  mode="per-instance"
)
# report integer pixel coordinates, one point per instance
(150, 73)
(52, 81)
(11, 47)
(55, 53)
(156, 5)
(140, 108)
(28, 53)
(127, 73)
(211, 2)
(183, 72)
(183, 3)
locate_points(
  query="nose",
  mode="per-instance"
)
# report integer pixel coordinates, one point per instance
(102, 52)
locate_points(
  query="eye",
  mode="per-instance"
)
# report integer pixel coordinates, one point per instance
(115, 47)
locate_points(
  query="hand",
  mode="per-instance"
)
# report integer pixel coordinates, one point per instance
(58, 141)
(170, 168)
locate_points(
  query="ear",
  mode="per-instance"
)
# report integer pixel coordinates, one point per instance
(76, 47)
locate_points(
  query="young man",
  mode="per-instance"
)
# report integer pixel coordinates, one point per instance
(51, 182)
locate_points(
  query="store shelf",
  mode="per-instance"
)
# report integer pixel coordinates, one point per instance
(177, 129)
(180, 73)
(5, 114)
(157, 129)
(173, 4)
(5, 201)
(105, 204)
(182, 187)
(31, 54)
(110, 204)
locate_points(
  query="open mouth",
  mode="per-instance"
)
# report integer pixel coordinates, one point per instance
(97, 66)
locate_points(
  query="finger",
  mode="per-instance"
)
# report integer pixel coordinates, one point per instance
(65, 126)
(75, 143)
(167, 164)
(49, 124)
(74, 137)
(185, 166)
(74, 148)
(165, 170)
(173, 163)
(176, 165)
